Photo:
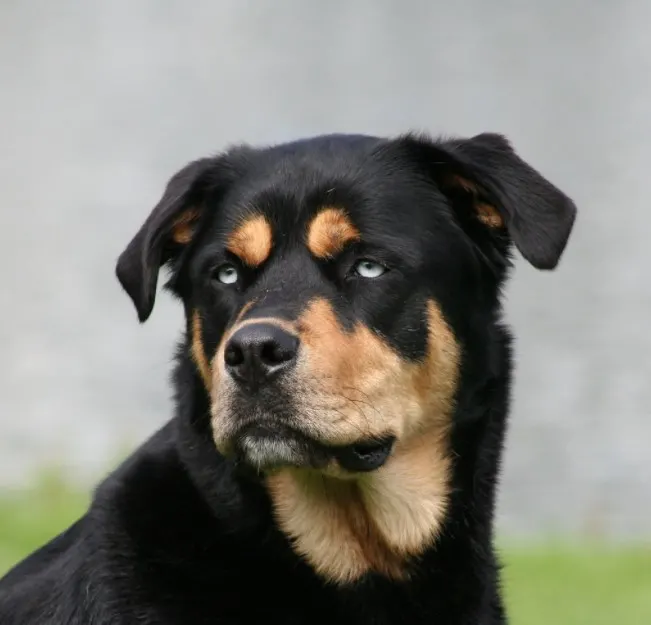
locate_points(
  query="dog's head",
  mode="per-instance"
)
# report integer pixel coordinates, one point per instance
(341, 296)
(334, 286)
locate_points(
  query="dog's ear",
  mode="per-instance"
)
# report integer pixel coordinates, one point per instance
(168, 229)
(506, 193)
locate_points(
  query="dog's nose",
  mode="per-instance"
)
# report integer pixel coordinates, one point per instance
(259, 352)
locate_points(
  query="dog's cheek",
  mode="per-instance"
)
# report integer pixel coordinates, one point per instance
(206, 337)
(198, 350)
(436, 378)
(345, 381)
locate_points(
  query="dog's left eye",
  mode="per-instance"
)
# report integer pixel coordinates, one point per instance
(226, 274)
(369, 268)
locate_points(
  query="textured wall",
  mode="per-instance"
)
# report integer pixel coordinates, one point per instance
(101, 101)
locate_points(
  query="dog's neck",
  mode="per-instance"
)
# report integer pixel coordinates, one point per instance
(346, 528)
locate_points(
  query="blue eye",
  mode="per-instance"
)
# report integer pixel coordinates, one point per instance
(226, 274)
(369, 268)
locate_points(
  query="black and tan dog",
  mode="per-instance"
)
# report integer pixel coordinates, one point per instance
(342, 391)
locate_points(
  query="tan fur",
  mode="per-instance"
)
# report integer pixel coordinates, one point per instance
(486, 213)
(458, 181)
(245, 309)
(252, 241)
(352, 385)
(198, 351)
(329, 525)
(184, 225)
(345, 527)
(329, 232)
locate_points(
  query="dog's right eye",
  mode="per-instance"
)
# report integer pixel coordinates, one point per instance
(369, 269)
(226, 274)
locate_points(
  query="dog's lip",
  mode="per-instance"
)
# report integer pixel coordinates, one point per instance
(364, 456)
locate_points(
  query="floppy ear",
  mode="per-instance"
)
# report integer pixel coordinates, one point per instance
(506, 193)
(169, 227)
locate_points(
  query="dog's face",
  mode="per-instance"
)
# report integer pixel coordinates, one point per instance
(315, 319)
(335, 287)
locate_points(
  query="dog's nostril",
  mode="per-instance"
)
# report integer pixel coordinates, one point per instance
(274, 353)
(233, 355)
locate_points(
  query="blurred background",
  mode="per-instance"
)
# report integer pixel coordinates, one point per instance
(101, 102)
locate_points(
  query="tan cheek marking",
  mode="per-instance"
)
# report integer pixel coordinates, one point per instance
(252, 241)
(486, 213)
(199, 352)
(329, 232)
(385, 392)
(437, 377)
(344, 357)
(184, 225)
(356, 369)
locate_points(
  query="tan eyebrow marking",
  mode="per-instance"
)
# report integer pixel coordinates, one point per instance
(251, 241)
(329, 232)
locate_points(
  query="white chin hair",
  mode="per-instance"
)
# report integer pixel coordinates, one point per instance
(265, 452)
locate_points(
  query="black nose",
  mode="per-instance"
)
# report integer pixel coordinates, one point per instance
(257, 353)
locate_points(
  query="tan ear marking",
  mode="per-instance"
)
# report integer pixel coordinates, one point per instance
(184, 226)
(329, 232)
(486, 213)
(458, 181)
(251, 241)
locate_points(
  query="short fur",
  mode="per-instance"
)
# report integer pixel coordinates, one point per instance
(342, 389)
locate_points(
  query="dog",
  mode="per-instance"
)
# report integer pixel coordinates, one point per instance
(342, 389)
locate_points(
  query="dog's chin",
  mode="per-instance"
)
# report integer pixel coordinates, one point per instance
(267, 449)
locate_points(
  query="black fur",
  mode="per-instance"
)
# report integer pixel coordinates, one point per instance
(178, 535)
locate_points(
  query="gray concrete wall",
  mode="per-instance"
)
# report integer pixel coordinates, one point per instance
(101, 101)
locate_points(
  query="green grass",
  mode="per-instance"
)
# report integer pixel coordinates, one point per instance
(30, 518)
(585, 584)
(559, 583)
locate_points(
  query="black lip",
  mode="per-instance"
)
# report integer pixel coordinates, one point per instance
(364, 456)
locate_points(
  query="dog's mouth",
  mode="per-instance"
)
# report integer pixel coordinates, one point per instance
(266, 448)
